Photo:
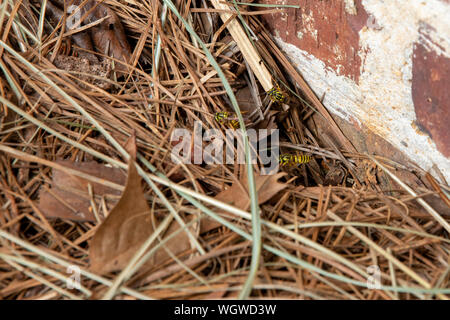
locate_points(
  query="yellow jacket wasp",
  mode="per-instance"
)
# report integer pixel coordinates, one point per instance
(291, 159)
(275, 94)
(224, 118)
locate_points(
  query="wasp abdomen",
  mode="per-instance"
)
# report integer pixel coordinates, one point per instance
(290, 159)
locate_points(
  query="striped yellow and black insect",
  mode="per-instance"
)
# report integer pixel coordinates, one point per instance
(220, 117)
(275, 94)
(224, 118)
(292, 159)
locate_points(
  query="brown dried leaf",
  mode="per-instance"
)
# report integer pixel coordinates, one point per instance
(69, 197)
(127, 227)
(267, 187)
(109, 36)
(82, 39)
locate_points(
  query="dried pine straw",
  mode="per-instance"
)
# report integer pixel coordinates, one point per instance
(336, 216)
